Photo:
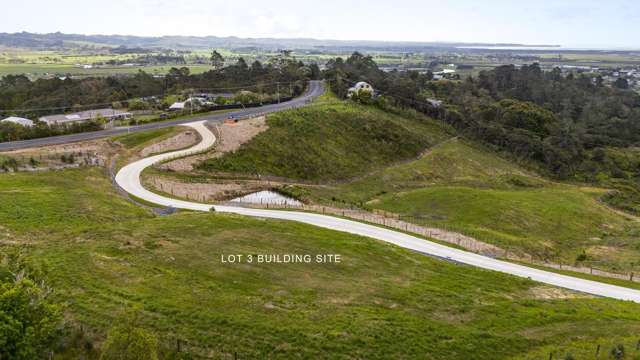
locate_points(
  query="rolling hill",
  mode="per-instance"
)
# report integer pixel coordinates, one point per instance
(379, 302)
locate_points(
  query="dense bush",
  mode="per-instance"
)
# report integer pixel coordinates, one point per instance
(564, 124)
(30, 320)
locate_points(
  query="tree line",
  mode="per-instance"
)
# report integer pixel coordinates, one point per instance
(23, 97)
(569, 126)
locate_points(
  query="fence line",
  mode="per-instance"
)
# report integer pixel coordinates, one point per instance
(466, 242)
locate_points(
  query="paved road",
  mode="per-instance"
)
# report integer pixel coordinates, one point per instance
(129, 179)
(314, 90)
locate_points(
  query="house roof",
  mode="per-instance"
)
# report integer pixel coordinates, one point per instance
(83, 116)
(19, 121)
(177, 105)
(361, 86)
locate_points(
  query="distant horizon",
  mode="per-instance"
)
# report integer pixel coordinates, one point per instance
(399, 41)
(570, 23)
(457, 44)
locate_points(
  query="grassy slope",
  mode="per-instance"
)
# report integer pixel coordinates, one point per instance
(469, 189)
(381, 302)
(333, 141)
(623, 164)
(132, 140)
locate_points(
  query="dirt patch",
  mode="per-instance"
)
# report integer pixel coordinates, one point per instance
(602, 251)
(183, 140)
(451, 316)
(229, 138)
(218, 191)
(553, 293)
(52, 157)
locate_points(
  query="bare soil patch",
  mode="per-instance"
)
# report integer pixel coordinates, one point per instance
(183, 140)
(229, 138)
(53, 157)
(219, 191)
(544, 292)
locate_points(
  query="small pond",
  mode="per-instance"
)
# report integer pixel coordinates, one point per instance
(267, 197)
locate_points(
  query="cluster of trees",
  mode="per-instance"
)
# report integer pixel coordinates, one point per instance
(150, 59)
(562, 124)
(54, 95)
(33, 326)
(31, 321)
(13, 132)
(541, 116)
(31, 99)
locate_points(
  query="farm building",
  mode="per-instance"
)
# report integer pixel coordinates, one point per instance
(108, 114)
(198, 100)
(18, 120)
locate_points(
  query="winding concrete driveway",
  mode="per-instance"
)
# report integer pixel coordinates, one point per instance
(128, 178)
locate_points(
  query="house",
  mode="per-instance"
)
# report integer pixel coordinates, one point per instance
(177, 106)
(108, 114)
(435, 103)
(360, 87)
(18, 120)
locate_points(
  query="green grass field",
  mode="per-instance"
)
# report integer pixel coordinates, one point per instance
(140, 138)
(456, 185)
(101, 253)
(469, 189)
(40, 70)
(331, 141)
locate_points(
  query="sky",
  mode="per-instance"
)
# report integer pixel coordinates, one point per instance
(571, 23)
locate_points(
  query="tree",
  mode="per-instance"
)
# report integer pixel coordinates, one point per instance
(128, 341)
(217, 61)
(137, 104)
(30, 321)
(246, 97)
(242, 64)
(621, 83)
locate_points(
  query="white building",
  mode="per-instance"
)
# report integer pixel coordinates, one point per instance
(177, 106)
(107, 114)
(360, 87)
(197, 101)
(18, 120)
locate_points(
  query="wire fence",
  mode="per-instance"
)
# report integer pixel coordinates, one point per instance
(470, 243)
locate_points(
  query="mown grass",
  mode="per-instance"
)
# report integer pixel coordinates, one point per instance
(331, 141)
(139, 138)
(380, 302)
(469, 189)
(42, 202)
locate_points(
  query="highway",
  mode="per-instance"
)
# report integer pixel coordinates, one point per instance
(128, 178)
(314, 90)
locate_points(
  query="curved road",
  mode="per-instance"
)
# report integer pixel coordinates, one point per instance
(314, 90)
(128, 178)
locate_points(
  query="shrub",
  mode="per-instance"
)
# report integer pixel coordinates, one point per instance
(617, 352)
(30, 321)
(128, 341)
